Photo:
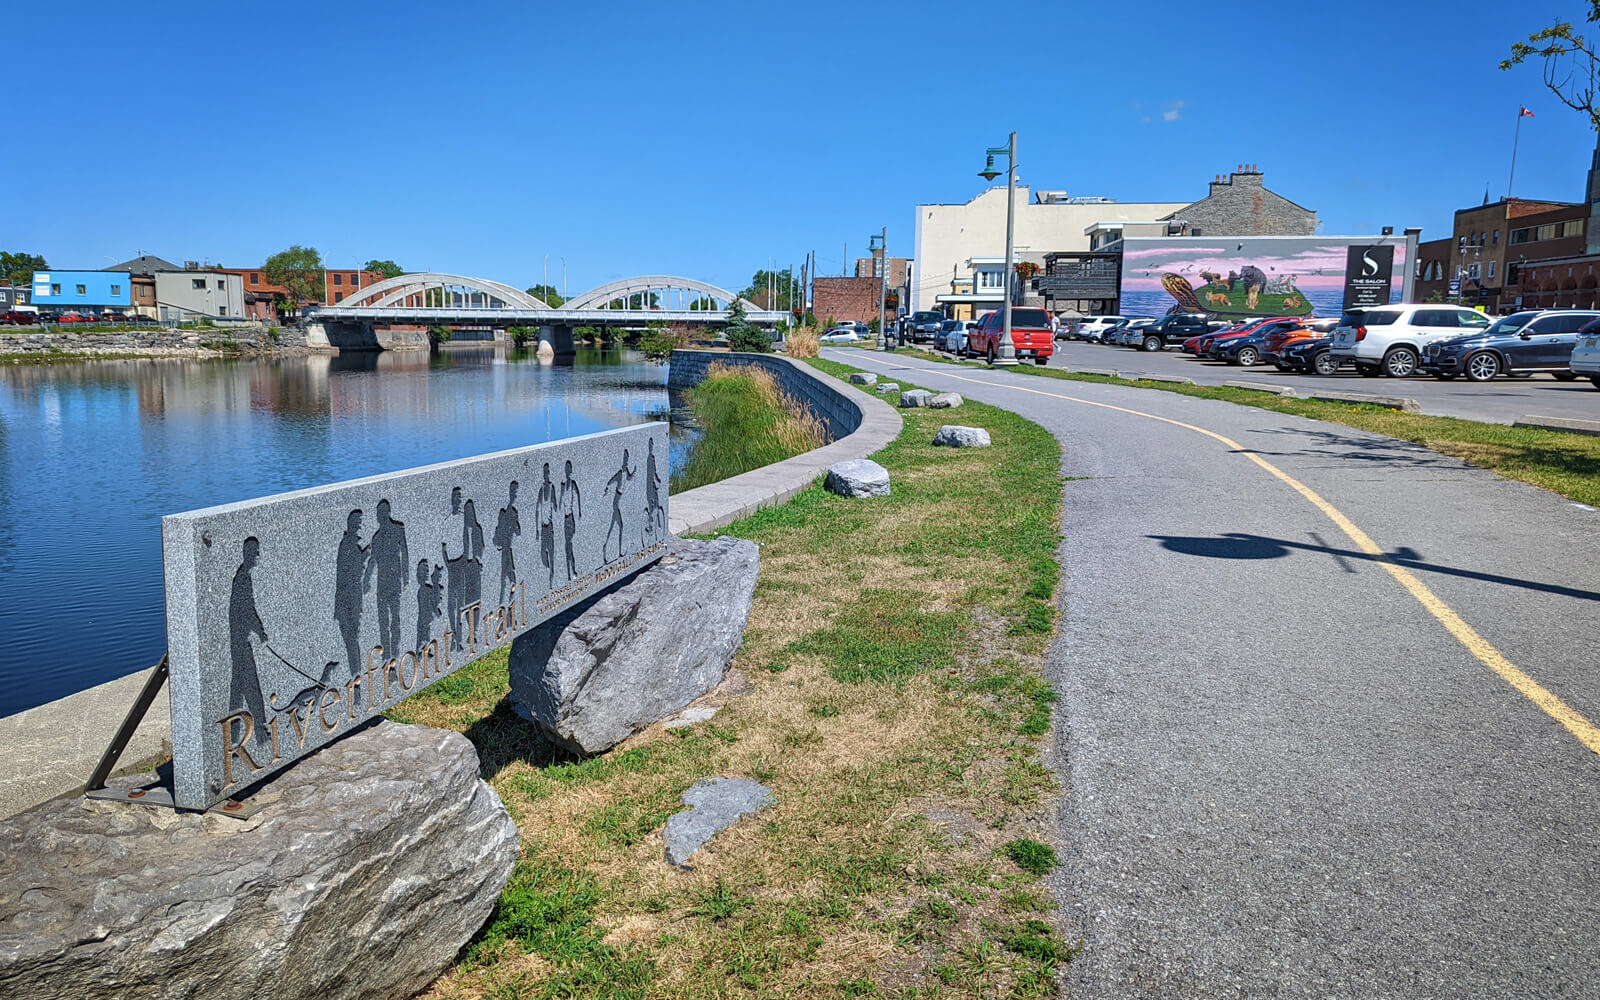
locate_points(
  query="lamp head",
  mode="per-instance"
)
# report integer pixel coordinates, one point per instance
(988, 172)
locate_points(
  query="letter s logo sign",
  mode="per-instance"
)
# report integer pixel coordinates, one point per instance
(1369, 267)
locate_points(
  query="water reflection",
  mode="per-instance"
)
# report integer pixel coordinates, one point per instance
(93, 453)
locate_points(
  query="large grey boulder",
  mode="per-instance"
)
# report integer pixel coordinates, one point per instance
(714, 805)
(612, 665)
(863, 378)
(915, 397)
(858, 477)
(956, 436)
(372, 862)
(888, 387)
(946, 400)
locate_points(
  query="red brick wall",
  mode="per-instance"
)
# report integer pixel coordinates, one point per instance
(845, 298)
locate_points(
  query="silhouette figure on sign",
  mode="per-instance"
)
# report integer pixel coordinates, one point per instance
(244, 621)
(349, 584)
(430, 598)
(544, 511)
(653, 511)
(571, 510)
(388, 563)
(506, 529)
(616, 481)
(464, 572)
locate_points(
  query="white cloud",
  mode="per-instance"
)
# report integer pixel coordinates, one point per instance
(1169, 116)
(1173, 109)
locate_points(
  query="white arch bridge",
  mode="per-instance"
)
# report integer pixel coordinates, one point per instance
(419, 300)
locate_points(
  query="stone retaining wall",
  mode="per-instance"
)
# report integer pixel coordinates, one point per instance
(858, 422)
(158, 341)
(818, 394)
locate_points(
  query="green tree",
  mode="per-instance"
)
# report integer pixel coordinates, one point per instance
(1569, 63)
(547, 294)
(299, 269)
(759, 293)
(387, 268)
(17, 268)
(744, 335)
(703, 304)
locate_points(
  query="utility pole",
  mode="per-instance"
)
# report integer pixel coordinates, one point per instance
(883, 282)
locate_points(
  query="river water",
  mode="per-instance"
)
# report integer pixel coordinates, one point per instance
(92, 454)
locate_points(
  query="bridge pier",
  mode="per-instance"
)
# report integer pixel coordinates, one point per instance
(333, 335)
(555, 342)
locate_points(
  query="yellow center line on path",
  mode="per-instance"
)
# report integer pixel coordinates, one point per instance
(1587, 733)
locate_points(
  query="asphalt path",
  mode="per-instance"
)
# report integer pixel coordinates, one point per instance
(1501, 401)
(1285, 772)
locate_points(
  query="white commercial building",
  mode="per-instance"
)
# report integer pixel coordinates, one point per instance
(965, 245)
(188, 295)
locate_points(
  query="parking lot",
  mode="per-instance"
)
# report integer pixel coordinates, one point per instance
(1501, 401)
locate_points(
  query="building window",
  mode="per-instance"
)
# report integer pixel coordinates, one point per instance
(55, 289)
(83, 290)
(338, 296)
(221, 284)
(1472, 270)
(1520, 235)
(1462, 241)
(255, 277)
(222, 310)
(198, 284)
(1513, 271)
(1572, 228)
(116, 289)
(1491, 270)
(338, 279)
(1496, 239)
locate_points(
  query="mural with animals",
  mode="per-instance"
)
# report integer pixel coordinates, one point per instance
(1240, 278)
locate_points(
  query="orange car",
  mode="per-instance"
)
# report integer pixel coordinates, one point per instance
(1272, 350)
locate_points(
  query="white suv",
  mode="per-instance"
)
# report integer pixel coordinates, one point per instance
(1093, 328)
(1586, 353)
(1388, 340)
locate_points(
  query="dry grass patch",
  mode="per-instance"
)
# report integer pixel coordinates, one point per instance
(892, 670)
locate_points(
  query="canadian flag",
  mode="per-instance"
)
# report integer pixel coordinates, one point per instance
(1525, 113)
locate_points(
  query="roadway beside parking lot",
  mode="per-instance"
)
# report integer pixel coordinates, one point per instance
(1500, 402)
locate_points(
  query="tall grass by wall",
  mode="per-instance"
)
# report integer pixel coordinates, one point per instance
(746, 421)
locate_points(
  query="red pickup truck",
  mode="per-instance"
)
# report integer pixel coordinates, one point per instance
(1030, 335)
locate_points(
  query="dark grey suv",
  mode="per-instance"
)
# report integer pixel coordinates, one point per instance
(1535, 340)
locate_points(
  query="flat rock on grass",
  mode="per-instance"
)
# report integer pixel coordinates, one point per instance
(858, 477)
(887, 387)
(915, 397)
(956, 436)
(863, 378)
(714, 805)
(946, 400)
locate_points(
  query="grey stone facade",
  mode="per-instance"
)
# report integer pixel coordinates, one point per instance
(1241, 205)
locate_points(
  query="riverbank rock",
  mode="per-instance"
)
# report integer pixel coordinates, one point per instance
(714, 805)
(372, 862)
(887, 387)
(915, 397)
(863, 378)
(946, 400)
(858, 477)
(956, 436)
(606, 668)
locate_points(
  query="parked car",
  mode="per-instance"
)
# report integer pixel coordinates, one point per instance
(922, 325)
(1030, 335)
(1192, 345)
(1245, 350)
(840, 335)
(1133, 330)
(1210, 344)
(1093, 328)
(1586, 354)
(1272, 349)
(952, 336)
(1524, 342)
(1174, 329)
(113, 317)
(1388, 340)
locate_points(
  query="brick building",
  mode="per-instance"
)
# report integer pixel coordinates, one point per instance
(260, 294)
(1561, 283)
(870, 267)
(1490, 242)
(835, 299)
(1433, 270)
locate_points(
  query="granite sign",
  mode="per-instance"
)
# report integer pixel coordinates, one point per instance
(294, 618)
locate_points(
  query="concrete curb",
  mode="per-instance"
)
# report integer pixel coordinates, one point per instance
(715, 505)
(1281, 390)
(1107, 372)
(1175, 379)
(1403, 403)
(51, 749)
(1570, 424)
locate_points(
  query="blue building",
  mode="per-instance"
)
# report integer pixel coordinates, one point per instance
(92, 290)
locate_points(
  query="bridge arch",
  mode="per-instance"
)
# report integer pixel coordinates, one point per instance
(395, 291)
(644, 284)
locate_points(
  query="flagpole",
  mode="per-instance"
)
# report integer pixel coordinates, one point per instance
(1515, 138)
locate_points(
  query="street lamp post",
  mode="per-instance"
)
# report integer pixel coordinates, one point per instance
(1007, 355)
(879, 244)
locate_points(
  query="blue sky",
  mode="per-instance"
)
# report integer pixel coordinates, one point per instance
(704, 139)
